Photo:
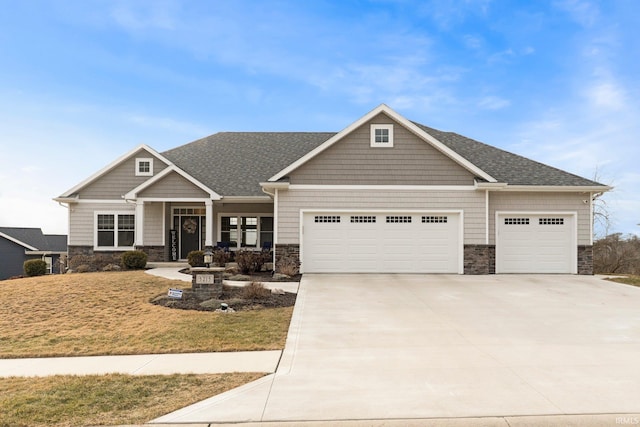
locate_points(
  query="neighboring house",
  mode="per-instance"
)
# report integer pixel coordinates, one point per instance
(383, 195)
(18, 245)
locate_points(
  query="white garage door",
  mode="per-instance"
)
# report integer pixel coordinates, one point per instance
(381, 242)
(540, 243)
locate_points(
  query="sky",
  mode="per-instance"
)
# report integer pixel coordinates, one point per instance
(83, 82)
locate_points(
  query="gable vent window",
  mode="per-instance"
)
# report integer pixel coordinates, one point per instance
(516, 221)
(382, 135)
(144, 167)
(327, 218)
(399, 219)
(434, 219)
(363, 219)
(551, 221)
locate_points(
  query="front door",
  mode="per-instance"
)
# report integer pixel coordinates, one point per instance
(189, 235)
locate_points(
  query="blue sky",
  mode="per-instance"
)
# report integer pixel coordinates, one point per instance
(83, 82)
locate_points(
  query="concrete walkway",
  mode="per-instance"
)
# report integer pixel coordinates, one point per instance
(417, 347)
(149, 364)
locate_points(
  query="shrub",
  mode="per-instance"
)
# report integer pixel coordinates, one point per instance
(250, 261)
(255, 290)
(35, 267)
(221, 257)
(288, 265)
(134, 260)
(81, 260)
(84, 268)
(196, 258)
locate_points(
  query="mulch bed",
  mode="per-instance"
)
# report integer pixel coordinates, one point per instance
(231, 295)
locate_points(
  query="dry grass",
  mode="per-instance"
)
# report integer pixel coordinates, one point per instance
(68, 401)
(629, 280)
(110, 313)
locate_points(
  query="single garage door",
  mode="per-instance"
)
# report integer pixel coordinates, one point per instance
(381, 242)
(535, 243)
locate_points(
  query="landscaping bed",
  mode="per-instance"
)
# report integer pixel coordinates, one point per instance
(237, 298)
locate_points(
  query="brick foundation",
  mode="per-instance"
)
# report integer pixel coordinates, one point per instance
(585, 259)
(479, 259)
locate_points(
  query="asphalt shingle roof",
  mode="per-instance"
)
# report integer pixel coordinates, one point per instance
(505, 166)
(35, 238)
(234, 163)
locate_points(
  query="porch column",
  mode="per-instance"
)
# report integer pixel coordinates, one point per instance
(208, 237)
(139, 223)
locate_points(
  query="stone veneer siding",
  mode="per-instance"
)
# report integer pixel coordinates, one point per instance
(286, 250)
(154, 253)
(585, 259)
(479, 259)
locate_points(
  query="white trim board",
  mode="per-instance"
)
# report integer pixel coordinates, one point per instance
(18, 242)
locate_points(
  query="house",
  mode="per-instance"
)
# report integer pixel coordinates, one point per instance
(385, 194)
(18, 245)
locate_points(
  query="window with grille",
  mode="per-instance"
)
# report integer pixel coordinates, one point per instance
(115, 230)
(516, 221)
(434, 219)
(327, 218)
(144, 167)
(398, 219)
(363, 219)
(551, 221)
(381, 135)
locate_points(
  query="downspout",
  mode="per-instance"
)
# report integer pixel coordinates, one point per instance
(486, 219)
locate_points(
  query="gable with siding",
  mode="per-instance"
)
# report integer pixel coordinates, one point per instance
(171, 186)
(120, 179)
(352, 161)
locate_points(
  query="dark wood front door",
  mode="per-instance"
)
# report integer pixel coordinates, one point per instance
(189, 235)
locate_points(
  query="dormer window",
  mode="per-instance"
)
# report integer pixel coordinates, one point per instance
(382, 135)
(144, 167)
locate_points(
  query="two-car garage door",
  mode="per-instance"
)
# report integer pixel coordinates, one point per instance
(366, 242)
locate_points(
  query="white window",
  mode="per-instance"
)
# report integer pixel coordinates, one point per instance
(144, 167)
(382, 135)
(114, 230)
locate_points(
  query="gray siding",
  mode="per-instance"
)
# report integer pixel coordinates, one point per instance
(411, 161)
(120, 179)
(291, 202)
(542, 202)
(81, 220)
(153, 231)
(173, 186)
(13, 258)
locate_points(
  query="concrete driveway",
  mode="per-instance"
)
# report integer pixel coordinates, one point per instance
(364, 347)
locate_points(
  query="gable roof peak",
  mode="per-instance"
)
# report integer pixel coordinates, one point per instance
(409, 125)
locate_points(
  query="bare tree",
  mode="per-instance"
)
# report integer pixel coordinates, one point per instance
(601, 214)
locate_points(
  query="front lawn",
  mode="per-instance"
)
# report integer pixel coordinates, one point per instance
(70, 401)
(110, 313)
(629, 280)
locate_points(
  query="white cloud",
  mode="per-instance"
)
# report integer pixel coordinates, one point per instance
(586, 13)
(606, 94)
(493, 103)
(136, 16)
